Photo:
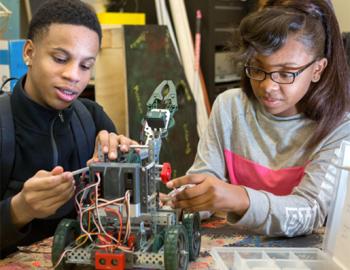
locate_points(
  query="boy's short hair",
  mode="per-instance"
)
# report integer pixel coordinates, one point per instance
(73, 12)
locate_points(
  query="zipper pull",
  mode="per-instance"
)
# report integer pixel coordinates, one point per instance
(60, 115)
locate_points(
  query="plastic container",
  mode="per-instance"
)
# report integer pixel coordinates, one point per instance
(247, 258)
(336, 246)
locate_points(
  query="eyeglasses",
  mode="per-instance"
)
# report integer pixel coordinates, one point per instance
(282, 77)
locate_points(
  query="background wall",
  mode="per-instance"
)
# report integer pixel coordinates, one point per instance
(342, 9)
(99, 5)
(17, 21)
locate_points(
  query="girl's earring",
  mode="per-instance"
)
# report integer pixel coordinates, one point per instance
(315, 79)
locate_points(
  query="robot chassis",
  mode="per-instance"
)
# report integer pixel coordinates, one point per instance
(158, 238)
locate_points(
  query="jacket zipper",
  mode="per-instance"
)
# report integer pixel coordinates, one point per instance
(60, 115)
(53, 141)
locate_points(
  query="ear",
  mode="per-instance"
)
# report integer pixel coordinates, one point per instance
(319, 67)
(28, 52)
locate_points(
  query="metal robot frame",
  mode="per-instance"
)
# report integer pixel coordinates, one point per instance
(120, 223)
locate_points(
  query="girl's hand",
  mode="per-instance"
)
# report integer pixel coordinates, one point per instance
(165, 200)
(209, 193)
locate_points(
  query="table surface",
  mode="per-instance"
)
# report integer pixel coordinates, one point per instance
(215, 232)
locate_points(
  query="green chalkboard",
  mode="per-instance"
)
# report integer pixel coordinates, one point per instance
(151, 58)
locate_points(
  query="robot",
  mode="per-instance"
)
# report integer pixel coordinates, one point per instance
(120, 224)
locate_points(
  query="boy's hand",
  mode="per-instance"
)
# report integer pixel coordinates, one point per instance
(42, 195)
(109, 143)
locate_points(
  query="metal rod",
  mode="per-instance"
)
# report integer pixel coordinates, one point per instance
(137, 146)
(82, 170)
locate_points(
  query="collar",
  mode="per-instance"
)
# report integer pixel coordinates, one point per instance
(275, 117)
(33, 115)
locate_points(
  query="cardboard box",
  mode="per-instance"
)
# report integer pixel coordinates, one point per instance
(11, 62)
(110, 78)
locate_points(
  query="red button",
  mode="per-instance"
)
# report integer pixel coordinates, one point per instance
(165, 174)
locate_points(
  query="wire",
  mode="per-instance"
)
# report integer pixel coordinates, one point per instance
(5, 82)
(96, 231)
(115, 211)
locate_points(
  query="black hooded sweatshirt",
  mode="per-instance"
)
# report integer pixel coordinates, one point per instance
(35, 150)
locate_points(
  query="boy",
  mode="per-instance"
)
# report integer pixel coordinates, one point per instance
(63, 41)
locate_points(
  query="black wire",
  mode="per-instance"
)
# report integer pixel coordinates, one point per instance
(5, 82)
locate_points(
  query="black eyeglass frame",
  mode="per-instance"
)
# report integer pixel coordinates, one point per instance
(294, 74)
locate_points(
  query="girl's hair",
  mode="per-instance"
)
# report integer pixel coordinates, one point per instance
(313, 23)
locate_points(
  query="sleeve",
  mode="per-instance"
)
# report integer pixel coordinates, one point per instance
(210, 151)
(9, 234)
(101, 119)
(209, 158)
(308, 206)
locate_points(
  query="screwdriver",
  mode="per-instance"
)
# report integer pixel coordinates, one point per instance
(82, 170)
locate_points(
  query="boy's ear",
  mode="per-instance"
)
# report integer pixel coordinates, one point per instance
(28, 51)
(320, 65)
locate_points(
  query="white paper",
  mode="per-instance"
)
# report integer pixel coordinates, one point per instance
(342, 244)
(342, 234)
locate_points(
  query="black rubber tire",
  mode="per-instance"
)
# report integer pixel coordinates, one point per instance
(192, 223)
(176, 255)
(66, 232)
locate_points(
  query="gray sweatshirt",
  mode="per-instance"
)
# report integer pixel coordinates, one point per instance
(290, 189)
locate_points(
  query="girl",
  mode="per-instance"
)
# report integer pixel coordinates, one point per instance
(266, 158)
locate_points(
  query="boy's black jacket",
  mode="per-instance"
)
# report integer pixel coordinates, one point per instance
(34, 151)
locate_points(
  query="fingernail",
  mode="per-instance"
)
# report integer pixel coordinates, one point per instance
(112, 155)
(169, 184)
(68, 175)
(105, 149)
